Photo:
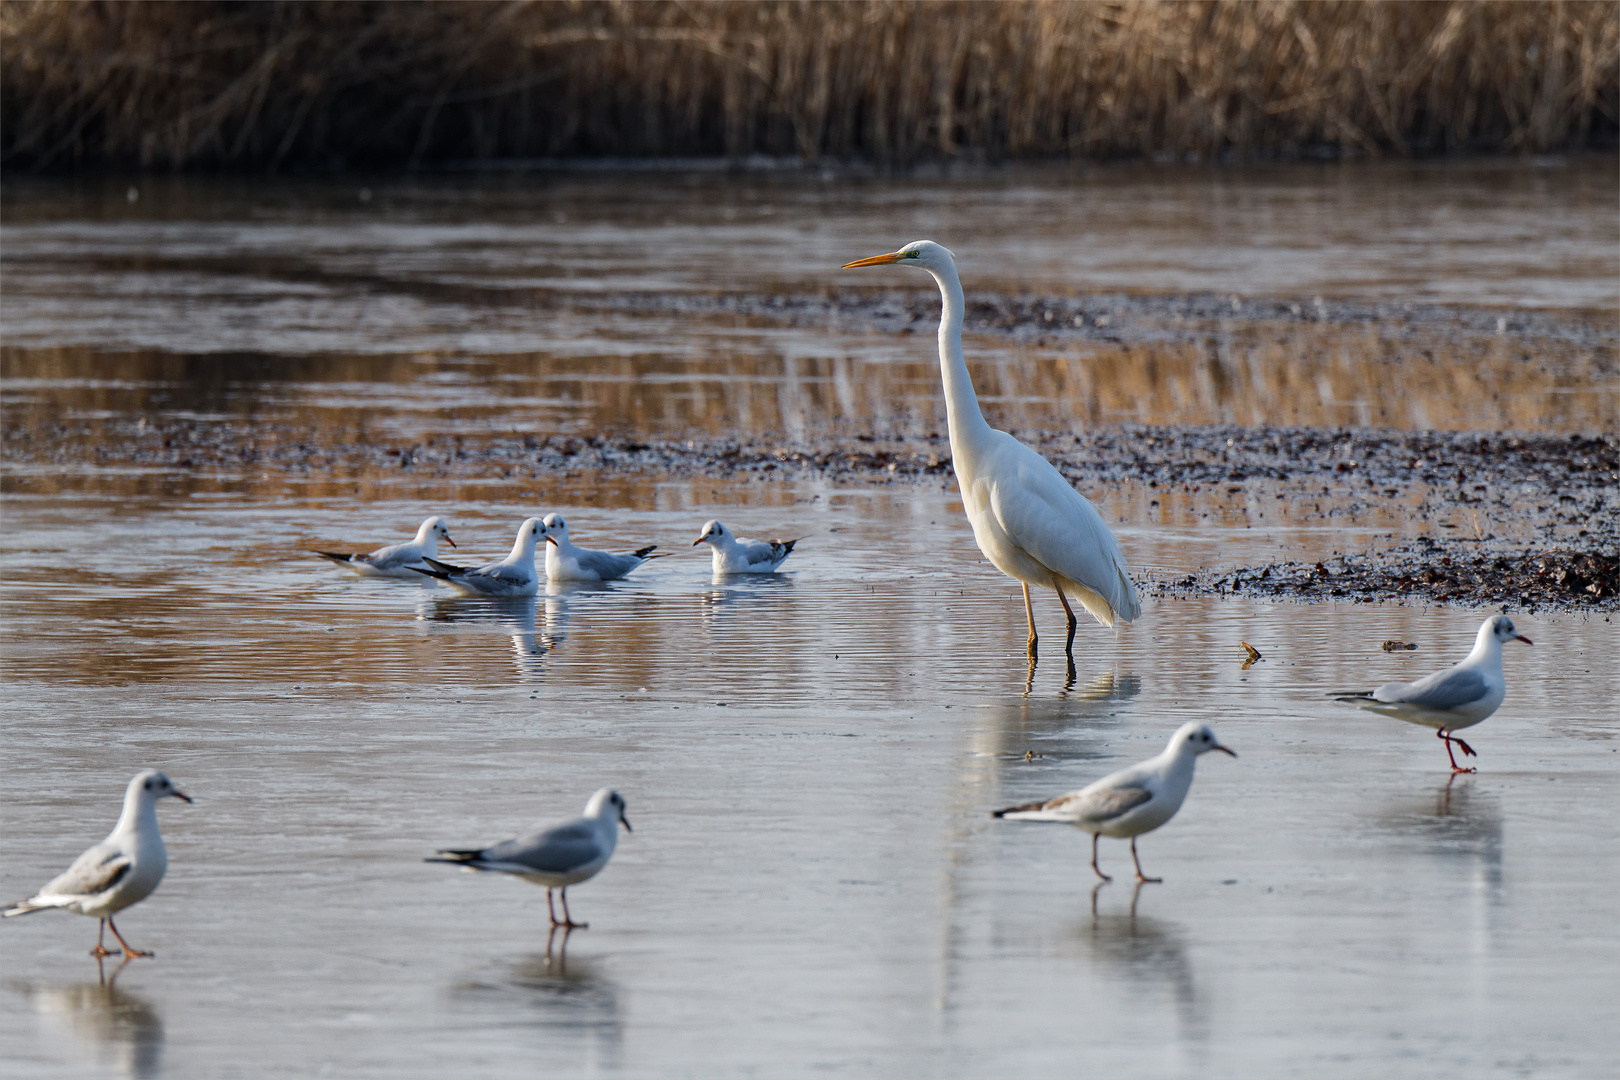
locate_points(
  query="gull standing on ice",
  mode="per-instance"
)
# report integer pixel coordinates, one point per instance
(397, 560)
(1132, 801)
(514, 575)
(1460, 696)
(1027, 519)
(567, 562)
(740, 556)
(121, 870)
(556, 856)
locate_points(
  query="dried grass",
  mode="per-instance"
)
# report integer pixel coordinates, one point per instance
(155, 83)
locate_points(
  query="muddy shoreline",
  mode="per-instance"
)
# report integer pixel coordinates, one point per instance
(1527, 520)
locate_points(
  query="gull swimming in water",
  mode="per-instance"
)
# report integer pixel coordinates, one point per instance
(555, 856)
(397, 560)
(1459, 697)
(514, 575)
(1027, 519)
(121, 870)
(566, 561)
(1129, 802)
(739, 556)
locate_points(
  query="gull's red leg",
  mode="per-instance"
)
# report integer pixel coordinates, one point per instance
(568, 920)
(101, 934)
(1140, 877)
(1094, 866)
(129, 953)
(1455, 768)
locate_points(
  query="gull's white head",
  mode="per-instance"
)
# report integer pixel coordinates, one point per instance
(530, 533)
(434, 528)
(924, 254)
(555, 526)
(1196, 739)
(1501, 628)
(713, 532)
(610, 804)
(153, 785)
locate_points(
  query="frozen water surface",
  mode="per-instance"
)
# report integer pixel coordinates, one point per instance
(810, 759)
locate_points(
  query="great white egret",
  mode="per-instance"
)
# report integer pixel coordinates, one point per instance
(1458, 697)
(1028, 520)
(1130, 802)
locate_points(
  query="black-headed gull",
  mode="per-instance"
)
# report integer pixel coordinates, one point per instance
(1132, 801)
(555, 856)
(514, 575)
(738, 556)
(1460, 696)
(566, 561)
(397, 560)
(121, 870)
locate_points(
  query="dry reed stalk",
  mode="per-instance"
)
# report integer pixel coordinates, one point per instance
(158, 83)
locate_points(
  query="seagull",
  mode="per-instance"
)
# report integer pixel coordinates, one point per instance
(1132, 801)
(1027, 519)
(556, 856)
(514, 575)
(567, 562)
(397, 560)
(1460, 696)
(121, 870)
(736, 556)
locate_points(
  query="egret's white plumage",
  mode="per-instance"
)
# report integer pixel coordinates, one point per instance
(1129, 802)
(397, 560)
(514, 575)
(735, 555)
(1459, 697)
(555, 856)
(1027, 519)
(567, 561)
(122, 870)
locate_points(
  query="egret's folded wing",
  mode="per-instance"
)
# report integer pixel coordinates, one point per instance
(1440, 691)
(1060, 529)
(554, 850)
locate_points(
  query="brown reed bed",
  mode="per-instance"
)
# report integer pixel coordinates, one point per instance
(314, 83)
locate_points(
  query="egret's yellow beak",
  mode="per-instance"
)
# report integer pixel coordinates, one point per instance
(875, 260)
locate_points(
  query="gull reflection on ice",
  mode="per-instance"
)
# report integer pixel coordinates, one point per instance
(121, 1030)
(565, 998)
(1146, 954)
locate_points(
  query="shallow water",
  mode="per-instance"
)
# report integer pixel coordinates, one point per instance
(810, 758)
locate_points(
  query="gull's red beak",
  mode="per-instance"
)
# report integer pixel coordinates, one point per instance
(1224, 750)
(180, 794)
(449, 541)
(550, 539)
(1521, 637)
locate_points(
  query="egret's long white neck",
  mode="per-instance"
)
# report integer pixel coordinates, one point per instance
(966, 422)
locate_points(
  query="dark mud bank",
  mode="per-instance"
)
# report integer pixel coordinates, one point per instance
(1526, 520)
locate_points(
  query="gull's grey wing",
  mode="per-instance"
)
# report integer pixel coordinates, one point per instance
(556, 850)
(1102, 805)
(96, 871)
(1441, 691)
(393, 557)
(606, 565)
